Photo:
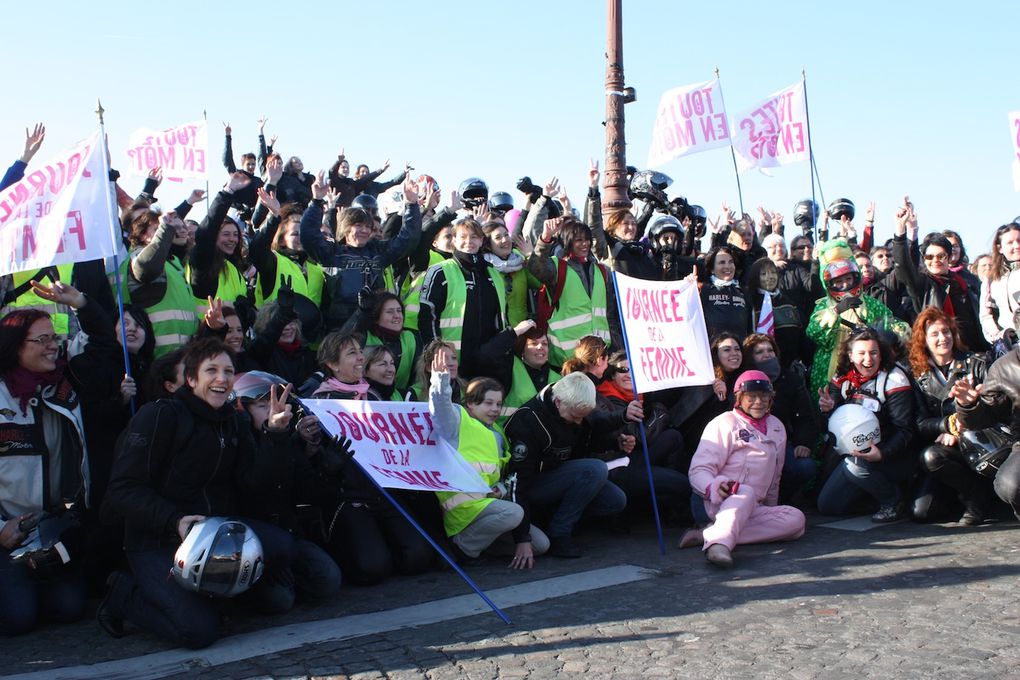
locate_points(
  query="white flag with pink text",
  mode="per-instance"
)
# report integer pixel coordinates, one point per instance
(690, 119)
(1014, 132)
(773, 132)
(181, 151)
(59, 213)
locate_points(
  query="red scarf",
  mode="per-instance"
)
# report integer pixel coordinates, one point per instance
(289, 348)
(24, 384)
(854, 377)
(610, 389)
(948, 280)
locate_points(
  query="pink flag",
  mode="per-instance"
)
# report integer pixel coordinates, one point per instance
(766, 318)
(773, 132)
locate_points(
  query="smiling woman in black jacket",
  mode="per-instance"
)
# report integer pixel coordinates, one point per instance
(181, 460)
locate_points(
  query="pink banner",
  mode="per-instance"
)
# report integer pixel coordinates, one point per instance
(1014, 132)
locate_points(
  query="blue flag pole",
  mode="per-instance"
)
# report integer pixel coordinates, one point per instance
(641, 425)
(425, 534)
(117, 243)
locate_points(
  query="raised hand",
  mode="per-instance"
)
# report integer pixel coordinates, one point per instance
(272, 141)
(227, 130)
(196, 196)
(156, 174)
(214, 315)
(551, 228)
(439, 363)
(33, 140)
(869, 213)
(410, 190)
(268, 199)
(319, 186)
(280, 411)
(274, 169)
(61, 293)
(766, 217)
(551, 187)
(455, 202)
(825, 401)
(237, 181)
(593, 173)
(332, 198)
(262, 123)
(524, 326)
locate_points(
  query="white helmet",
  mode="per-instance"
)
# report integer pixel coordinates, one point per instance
(855, 428)
(219, 556)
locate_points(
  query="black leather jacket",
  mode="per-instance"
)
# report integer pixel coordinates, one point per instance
(1000, 398)
(934, 393)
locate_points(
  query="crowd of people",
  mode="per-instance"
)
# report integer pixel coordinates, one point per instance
(851, 376)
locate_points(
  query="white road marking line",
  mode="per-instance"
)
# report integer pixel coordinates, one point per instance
(282, 638)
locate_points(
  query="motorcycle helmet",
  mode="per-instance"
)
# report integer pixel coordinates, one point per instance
(840, 207)
(649, 185)
(753, 381)
(986, 450)
(473, 192)
(836, 269)
(255, 385)
(425, 183)
(805, 213)
(699, 219)
(501, 202)
(855, 429)
(662, 224)
(220, 557)
(367, 203)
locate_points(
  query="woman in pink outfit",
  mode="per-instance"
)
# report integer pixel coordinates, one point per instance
(736, 469)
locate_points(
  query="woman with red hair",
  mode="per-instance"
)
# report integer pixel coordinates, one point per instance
(938, 358)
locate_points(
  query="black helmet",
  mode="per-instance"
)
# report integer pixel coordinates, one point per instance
(662, 224)
(501, 202)
(840, 207)
(805, 213)
(473, 192)
(699, 218)
(986, 450)
(649, 185)
(367, 203)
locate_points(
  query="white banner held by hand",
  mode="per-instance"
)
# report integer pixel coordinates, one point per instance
(690, 119)
(58, 213)
(393, 441)
(1014, 132)
(773, 132)
(666, 337)
(181, 151)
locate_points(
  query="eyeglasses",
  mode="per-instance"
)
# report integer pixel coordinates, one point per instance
(803, 247)
(757, 396)
(46, 340)
(938, 257)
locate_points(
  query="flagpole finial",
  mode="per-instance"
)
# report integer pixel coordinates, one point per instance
(716, 71)
(205, 116)
(100, 110)
(803, 74)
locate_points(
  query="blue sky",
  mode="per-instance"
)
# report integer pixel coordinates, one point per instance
(905, 97)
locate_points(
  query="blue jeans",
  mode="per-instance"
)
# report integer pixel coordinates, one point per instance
(854, 479)
(155, 602)
(313, 576)
(796, 473)
(575, 488)
(24, 601)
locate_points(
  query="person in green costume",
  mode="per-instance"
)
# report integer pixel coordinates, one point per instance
(843, 308)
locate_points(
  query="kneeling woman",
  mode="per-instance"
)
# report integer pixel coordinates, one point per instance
(867, 375)
(473, 521)
(737, 469)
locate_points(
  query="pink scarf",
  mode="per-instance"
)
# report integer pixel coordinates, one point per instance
(360, 389)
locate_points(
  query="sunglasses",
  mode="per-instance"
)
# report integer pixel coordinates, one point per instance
(621, 369)
(938, 257)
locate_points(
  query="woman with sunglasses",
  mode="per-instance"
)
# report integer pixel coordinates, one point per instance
(935, 283)
(44, 462)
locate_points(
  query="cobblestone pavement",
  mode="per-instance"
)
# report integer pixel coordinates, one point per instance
(896, 601)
